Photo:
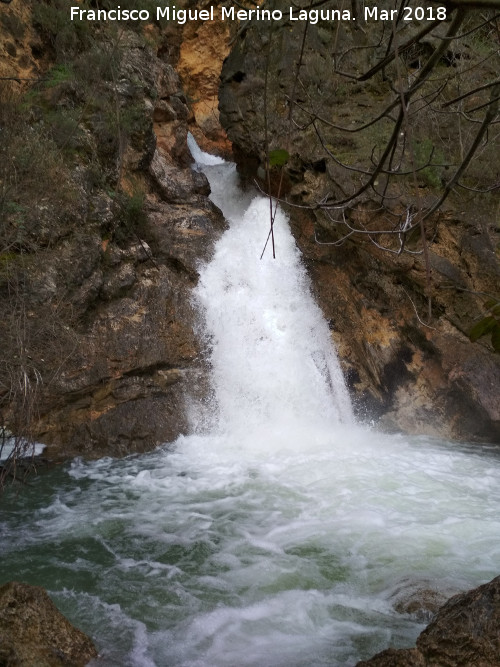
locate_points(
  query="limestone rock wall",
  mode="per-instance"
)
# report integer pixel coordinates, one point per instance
(203, 49)
(103, 285)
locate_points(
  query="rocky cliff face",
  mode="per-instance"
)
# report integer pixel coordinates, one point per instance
(97, 274)
(123, 389)
(404, 369)
(203, 48)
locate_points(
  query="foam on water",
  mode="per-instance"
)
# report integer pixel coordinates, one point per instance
(280, 534)
(193, 557)
(20, 449)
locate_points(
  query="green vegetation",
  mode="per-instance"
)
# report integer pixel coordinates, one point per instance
(488, 325)
(278, 157)
(429, 162)
(131, 216)
(66, 38)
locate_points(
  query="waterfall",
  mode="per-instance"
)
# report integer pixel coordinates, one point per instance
(277, 534)
(275, 371)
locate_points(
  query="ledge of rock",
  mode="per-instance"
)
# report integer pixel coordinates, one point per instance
(34, 633)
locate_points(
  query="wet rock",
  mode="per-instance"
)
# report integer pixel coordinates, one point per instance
(133, 414)
(33, 631)
(122, 387)
(177, 186)
(419, 599)
(181, 233)
(465, 630)
(463, 633)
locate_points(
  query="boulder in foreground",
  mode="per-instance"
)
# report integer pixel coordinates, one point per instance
(465, 632)
(34, 632)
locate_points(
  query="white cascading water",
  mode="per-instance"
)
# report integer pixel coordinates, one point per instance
(277, 534)
(272, 356)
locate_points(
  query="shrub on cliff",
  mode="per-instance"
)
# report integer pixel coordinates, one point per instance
(62, 143)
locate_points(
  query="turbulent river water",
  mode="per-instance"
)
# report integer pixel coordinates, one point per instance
(278, 533)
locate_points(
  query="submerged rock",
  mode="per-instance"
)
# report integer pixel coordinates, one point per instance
(419, 599)
(463, 633)
(33, 632)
